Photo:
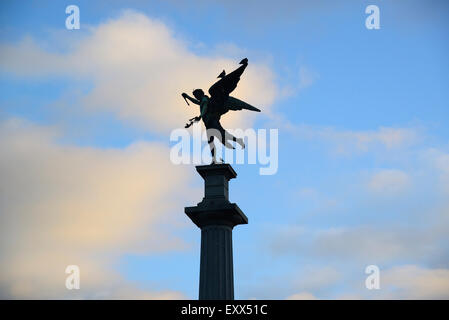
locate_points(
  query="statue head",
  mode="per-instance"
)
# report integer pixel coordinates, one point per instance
(198, 94)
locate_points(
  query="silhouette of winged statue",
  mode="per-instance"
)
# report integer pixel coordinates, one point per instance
(219, 102)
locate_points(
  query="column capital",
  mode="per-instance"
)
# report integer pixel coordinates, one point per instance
(226, 214)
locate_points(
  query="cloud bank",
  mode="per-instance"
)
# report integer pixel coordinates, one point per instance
(64, 205)
(137, 67)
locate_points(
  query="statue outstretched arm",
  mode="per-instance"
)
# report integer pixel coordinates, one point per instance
(193, 100)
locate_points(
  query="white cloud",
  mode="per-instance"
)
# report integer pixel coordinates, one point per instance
(138, 69)
(438, 162)
(64, 205)
(361, 244)
(442, 162)
(398, 282)
(307, 77)
(348, 142)
(307, 193)
(363, 141)
(297, 81)
(414, 282)
(302, 296)
(403, 282)
(389, 182)
(313, 279)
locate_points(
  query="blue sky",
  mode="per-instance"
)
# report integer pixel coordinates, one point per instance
(362, 115)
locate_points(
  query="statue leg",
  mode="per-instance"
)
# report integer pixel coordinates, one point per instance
(227, 136)
(212, 148)
(213, 133)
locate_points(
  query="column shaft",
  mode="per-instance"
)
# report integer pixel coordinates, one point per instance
(216, 266)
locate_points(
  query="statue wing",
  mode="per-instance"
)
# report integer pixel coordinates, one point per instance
(237, 104)
(221, 89)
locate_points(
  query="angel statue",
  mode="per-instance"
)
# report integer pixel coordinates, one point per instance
(219, 102)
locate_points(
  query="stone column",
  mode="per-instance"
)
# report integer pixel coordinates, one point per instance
(216, 217)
